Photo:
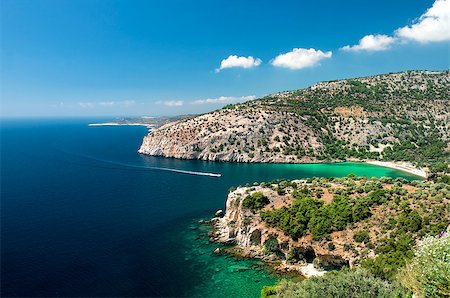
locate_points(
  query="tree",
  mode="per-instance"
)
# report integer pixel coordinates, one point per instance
(256, 200)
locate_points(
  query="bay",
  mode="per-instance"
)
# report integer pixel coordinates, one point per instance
(83, 214)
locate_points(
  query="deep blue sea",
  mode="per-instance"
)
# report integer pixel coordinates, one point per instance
(83, 214)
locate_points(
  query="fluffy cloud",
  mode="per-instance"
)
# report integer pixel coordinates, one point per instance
(235, 61)
(170, 103)
(223, 99)
(432, 26)
(300, 58)
(90, 105)
(371, 43)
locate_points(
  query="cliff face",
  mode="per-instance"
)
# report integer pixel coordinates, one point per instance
(246, 229)
(359, 118)
(333, 221)
(244, 135)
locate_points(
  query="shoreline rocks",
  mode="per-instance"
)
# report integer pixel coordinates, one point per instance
(247, 232)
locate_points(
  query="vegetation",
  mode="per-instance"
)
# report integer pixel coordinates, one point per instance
(311, 214)
(271, 246)
(392, 255)
(428, 273)
(357, 283)
(268, 291)
(393, 117)
(384, 217)
(361, 236)
(256, 200)
(335, 114)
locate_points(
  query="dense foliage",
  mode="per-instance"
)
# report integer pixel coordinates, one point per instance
(428, 273)
(256, 200)
(384, 216)
(357, 283)
(392, 117)
(271, 245)
(401, 116)
(311, 214)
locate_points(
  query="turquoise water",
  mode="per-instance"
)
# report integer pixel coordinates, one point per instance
(84, 215)
(221, 275)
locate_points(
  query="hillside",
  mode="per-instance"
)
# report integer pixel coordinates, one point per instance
(400, 116)
(373, 223)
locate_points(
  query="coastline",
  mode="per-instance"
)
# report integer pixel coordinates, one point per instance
(401, 166)
(120, 124)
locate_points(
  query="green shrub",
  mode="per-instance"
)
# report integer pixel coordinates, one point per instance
(293, 220)
(268, 291)
(256, 200)
(311, 214)
(357, 283)
(428, 273)
(271, 245)
(294, 255)
(280, 190)
(360, 210)
(411, 221)
(361, 236)
(392, 256)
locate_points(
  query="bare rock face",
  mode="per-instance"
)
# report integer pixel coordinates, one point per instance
(248, 231)
(234, 227)
(303, 126)
(244, 135)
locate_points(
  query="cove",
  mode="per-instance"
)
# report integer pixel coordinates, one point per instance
(83, 214)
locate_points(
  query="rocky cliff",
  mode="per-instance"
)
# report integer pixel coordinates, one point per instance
(246, 229)
(330, 222)
(393, 116)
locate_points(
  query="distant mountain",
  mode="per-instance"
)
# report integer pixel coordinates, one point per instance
(398, 116)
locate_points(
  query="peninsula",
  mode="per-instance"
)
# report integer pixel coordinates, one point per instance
(321, 224)
(397, 117)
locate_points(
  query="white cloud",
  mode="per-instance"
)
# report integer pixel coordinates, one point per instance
(235, 61)
(170, 103)
(372, 43)
(91, 105)
(432, 26)
(223, 99)
(300, 58)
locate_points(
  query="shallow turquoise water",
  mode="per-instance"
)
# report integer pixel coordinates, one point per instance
(84, 215)
(221, 275)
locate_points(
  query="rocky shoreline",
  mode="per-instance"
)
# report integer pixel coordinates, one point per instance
(245, 234)
(363, 119)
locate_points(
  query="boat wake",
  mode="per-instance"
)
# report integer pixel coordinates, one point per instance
(145, 168)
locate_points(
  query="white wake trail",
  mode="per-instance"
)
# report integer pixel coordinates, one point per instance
(147, 167)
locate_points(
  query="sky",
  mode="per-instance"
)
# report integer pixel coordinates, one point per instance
(130, 57)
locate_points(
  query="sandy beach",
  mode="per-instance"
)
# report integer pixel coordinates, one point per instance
(401, 166)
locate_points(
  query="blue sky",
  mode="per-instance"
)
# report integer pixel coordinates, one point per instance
(96, 58)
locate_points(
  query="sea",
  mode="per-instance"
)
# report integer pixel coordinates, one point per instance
(83, 214)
